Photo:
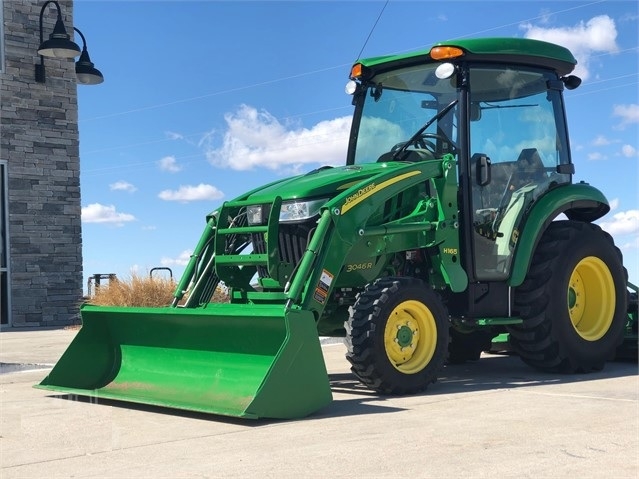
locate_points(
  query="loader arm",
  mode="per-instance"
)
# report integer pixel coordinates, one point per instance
(344, 232)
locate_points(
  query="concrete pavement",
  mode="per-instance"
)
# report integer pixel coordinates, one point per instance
(493, 418)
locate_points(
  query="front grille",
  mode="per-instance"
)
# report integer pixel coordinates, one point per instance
(292, 242)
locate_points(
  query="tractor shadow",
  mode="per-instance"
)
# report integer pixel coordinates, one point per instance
(352, 398)
(492, 372)
(496, 371)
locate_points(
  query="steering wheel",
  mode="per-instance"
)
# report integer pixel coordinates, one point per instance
(424, 142)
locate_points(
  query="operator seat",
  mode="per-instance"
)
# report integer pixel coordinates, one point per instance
(530, 167)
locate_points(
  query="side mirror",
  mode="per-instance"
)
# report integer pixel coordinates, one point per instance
(482, 168)
(571, 81)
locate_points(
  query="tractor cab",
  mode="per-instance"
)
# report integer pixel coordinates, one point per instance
(499, 114)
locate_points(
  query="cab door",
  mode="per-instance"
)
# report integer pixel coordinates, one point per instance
(517, 142)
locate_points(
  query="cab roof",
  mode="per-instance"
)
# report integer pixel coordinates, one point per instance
(521, 51)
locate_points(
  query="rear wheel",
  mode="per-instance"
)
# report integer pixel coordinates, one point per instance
(573, 300)
(397, 336)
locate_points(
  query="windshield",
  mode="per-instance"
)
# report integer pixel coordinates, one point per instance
(396, 105)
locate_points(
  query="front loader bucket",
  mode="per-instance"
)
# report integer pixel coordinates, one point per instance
(248, 361)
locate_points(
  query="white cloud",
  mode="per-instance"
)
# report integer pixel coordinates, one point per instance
(192, 193)
(257, 139)
(600, 140)
(122, 186)
(614, 204)
(622, 223)
(168, 163)
(596, 156)
(629, 17)
(597, 35)
(629, 151)
(172, 135)
(628, 113)
(632, 244)
(98, 213)
(182, 259)
(546, 16)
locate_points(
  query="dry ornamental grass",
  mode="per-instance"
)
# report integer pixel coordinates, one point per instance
(143, 292)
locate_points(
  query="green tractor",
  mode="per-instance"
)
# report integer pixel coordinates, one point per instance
(454, 220)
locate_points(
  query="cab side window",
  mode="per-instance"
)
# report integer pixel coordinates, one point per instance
(514, 124)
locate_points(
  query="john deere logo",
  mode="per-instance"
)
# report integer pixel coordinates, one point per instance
(360, 192)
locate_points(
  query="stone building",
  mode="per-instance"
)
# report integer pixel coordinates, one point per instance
(40, 211)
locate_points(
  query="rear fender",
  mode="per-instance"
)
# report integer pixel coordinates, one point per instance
(580, 202)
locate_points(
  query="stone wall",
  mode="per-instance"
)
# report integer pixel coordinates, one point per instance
(39, 140)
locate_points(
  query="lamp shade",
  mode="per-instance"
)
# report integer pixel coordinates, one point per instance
(86, 72)
(59, 44)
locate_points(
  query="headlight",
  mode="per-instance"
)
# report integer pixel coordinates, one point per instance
(254, 215)
(300, 210)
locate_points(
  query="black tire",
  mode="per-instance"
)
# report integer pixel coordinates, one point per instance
(397, 336)
(573, 300)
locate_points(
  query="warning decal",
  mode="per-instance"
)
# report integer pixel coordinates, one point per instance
(324, 284)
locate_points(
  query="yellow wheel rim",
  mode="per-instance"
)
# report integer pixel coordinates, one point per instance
(591, 298)
(410, 337)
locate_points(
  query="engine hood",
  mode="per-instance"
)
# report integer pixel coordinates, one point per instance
(323, 182)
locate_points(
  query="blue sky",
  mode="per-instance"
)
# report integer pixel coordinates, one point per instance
(205, 100)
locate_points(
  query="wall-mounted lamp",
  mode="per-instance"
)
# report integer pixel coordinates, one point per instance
(84, 69)
(60, 45)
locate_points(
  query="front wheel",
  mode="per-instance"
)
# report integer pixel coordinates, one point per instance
(397, 336)
(573, 300)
